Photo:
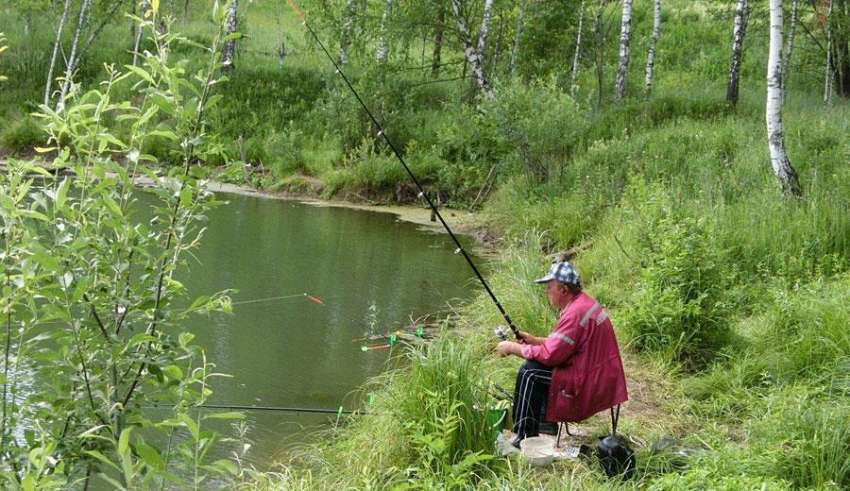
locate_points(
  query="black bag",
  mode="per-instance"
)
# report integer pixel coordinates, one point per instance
(613, 452)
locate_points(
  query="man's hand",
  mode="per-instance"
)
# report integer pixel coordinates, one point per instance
(527, 338)
(506, 348)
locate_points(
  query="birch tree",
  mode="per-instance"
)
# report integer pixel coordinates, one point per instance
(653, 41)
(228, 50)
(347, 31)
(827, 82)
(59, 29)
(839, 25)
(773, 113)
(577, 55)
(143, 7)
(625, 38)
(517, 35)
(485, 29)
(73, 58)
(383, 48)
(471, 53)
(739, 31)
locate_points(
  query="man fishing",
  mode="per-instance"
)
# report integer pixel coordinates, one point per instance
(576, 371)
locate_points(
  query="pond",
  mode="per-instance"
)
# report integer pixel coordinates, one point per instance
(371, 271)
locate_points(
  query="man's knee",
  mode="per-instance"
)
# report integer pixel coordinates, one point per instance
(532, 365)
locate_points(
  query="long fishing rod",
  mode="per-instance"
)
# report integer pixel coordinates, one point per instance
(244, 407)
(395, 151)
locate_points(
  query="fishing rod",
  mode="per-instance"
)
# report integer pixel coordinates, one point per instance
(282, 409)
(395, 151)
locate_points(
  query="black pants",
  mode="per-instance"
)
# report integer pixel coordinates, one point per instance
(530, 396)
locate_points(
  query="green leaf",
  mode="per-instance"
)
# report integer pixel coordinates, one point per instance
(124, 441)
(113, 206)
(62, 193)
(190, 424)
(141, 72)
(102, 458)
(173, 372)
(186, 197)
(150, 456)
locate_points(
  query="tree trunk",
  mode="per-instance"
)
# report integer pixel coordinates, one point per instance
(789, 49)
(497, 52)
(347, 31)
(840, 25)
(59, 29)
(383, 46)
(650, 56)
(472, 55)
(228, 50)
(485, 29)
(138, 40)
(625, 38)
(739, 31)
(599, 37)
(73, 59)
(577, 55)
(517, 35)
(438, 39)
(827, 81)
(773, 113)
(27, 21)
(185, 10)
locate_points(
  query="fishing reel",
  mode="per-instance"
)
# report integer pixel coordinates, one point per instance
(501, 332)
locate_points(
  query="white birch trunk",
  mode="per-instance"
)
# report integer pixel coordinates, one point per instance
(228, 50)
(789, 49)
(347, 31)
(485, 29)
(827, 83)
(599, 36)
(27, 20)
(57, 42)
(653, 41)
(739, 31)
(577, 55)
(472, 55)
(143, 6)
(73, 58)
(517, 35)
(383, 47)
(625, 38)
(773, 112)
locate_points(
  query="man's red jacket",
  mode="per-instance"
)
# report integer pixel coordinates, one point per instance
(587, 371)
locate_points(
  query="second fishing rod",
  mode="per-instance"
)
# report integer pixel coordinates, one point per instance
(382, 133)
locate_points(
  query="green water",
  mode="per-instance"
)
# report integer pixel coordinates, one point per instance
(369, 268)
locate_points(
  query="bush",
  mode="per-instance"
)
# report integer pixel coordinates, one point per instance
(804, 334)
(679, 309)
(22, 135)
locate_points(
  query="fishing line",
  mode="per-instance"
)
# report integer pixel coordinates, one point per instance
(395, 151)
(312, 298)
(282, 409)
